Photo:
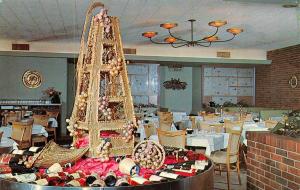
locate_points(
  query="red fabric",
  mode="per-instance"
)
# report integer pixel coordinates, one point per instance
(82, 142)
(170, 159)
(93, 165)
(106, 134)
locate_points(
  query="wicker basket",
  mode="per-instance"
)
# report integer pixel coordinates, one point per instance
(53, 153)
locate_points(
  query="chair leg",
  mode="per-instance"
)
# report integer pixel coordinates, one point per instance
(228, 176)
(220, 169)
(238, 170)
(55, 135)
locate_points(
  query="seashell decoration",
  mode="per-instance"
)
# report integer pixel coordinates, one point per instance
(103, 107)
(103, 150)
(149, 154)
(128, 131)
(115, 66)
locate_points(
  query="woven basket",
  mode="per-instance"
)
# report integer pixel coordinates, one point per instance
(53, 153)
(158, 147)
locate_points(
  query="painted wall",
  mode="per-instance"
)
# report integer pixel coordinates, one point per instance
(53, 70)
(176, 100)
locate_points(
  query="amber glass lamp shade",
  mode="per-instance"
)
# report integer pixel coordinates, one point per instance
(149, 34)
(168, 25)
(170, 40)
(217, 23)
(235, 31)
(211, 39)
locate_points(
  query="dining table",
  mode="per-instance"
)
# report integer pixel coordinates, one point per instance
(6, 140)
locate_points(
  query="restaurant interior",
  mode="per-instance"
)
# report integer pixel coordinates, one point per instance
(144, 95)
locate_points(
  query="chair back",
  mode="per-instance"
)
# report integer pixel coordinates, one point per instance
(233, 125)
(209, 117)
(233, 146)
(172, 138)
(193, 120)
(218, 128)
(270, 123)
(165, 120)
(52, 113)
(41, 120)
(1, 134)
(21, 133)
(149, 130)
(12, 117)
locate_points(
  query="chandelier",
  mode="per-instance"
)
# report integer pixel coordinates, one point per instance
(177, 42)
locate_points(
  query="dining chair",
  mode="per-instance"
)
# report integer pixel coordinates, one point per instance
(44, 121)
(270, 124)
(11, 117)
(193, 120)
(172, 138)
(52, 113)
(149, 130)
(230, 156)
(1, 134)
(165, 120)
(21, 133)
(233, 125)
(217, 127)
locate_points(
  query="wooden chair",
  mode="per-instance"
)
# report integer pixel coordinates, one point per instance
(38, 139)
(209, 117)
(44, 121)
(11, 117)
(233, 125)
(1, 134)
(52, 113)
(218, 128)
(21, 133)
(270, 123)
(193, 120)
(172, 138)
(149, 130)
(230, 156)
(165, 120)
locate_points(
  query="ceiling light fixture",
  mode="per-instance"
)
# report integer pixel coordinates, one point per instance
(177, 42)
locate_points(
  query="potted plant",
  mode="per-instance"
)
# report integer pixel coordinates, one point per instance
(53, 94)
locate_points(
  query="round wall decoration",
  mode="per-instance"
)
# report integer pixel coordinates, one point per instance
(32, 79)
(293, 81)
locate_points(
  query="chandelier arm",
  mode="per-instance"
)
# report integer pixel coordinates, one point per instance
(226, 40)
(178, 45)
(203, 39)
(199, 44)
(158, 42)
(176, 37)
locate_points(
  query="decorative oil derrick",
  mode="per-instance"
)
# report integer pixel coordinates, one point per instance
(103, 108)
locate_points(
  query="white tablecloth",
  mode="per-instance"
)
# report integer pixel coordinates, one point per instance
(211, 142)
(178, 116)
(53, 122)
(36, 130)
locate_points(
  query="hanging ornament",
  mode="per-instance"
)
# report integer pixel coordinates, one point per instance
(103, 107)
(115, 66)
(128, 131)
(103, 150)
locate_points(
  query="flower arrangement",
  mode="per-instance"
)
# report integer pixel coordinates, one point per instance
(53, 94)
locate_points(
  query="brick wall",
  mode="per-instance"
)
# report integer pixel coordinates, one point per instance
(272, 88)
(273, 162)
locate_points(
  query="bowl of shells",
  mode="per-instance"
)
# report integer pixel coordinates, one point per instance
(149, 154)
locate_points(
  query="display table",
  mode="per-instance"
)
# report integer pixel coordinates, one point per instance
(203, 181)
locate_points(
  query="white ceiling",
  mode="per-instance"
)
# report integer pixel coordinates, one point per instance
(266, 25)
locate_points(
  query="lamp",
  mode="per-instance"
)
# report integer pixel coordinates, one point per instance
(177, 42)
